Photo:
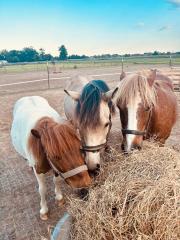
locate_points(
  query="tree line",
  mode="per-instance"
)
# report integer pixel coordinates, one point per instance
(29, 54)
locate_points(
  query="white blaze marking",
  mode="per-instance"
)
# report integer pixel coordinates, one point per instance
(132, 120)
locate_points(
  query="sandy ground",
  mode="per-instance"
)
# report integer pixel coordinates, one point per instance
(19, 197)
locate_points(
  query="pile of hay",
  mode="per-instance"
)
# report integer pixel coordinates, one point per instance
(134, 197)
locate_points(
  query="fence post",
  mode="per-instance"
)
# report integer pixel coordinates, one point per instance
(122, 64)
(170, 61)
(48, 74)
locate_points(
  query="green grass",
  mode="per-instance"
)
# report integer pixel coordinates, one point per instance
(35, 67)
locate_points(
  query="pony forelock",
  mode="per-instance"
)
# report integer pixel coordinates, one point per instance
(135, 84)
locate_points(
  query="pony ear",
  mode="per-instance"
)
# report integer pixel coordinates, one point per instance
(110, 94)
(152, 77)
(35, 133)
(73, 94)
(123, 75)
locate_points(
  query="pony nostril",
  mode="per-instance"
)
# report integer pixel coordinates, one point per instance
(136, 146)
(98, 166)
(95, 172)
(84, 194)
(122, 147)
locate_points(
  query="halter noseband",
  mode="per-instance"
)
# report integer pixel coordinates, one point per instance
(93, 149)
(69, 173)
(134, 132)
(97, 148)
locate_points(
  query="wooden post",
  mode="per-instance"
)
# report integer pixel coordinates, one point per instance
(122, 65)
(170, 61)
(48, 74)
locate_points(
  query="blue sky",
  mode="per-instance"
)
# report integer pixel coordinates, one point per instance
(92, 26)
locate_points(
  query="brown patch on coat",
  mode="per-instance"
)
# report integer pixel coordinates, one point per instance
(59, 143)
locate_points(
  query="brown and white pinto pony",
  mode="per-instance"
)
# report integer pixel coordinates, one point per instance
(47, 141)
(89, 106)
(147, 106)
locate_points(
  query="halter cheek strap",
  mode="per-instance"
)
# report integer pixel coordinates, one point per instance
(69, 173)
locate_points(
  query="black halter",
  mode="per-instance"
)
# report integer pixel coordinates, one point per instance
(93, 149)
(137, 132)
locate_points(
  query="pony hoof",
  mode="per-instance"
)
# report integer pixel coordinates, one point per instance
(44, 216)
(61, 202)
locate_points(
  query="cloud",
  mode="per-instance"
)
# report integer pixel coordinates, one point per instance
(174, 3)
(164, 28)
(140, 24)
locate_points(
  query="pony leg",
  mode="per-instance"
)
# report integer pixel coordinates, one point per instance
(58, 193)
(42, 192)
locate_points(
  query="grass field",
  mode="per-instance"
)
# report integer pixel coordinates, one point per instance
(42, 66)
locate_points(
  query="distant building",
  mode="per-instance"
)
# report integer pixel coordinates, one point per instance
(3, 63)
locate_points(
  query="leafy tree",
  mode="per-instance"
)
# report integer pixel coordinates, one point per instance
(63, 54)
(3, 54)
(13, 56)
(168, 53)
(155, 53)
(75, 56)
(26, 55)
(127, 55)
(29, 54)
(47, 57)
(41, 51)
(41, 54)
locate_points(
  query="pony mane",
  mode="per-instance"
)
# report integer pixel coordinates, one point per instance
(59, 140)
(88, 107)
(133, 84)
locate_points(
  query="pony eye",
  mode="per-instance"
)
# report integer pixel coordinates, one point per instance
(106, 125)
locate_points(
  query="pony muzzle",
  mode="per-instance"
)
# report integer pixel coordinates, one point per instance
(134, 146)
(92, 155)
(83, 193)
(93, 160)
(133, 140)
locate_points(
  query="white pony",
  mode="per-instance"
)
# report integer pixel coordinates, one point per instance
(47, 141)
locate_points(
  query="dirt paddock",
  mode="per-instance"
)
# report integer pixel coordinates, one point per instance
(19, 197)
